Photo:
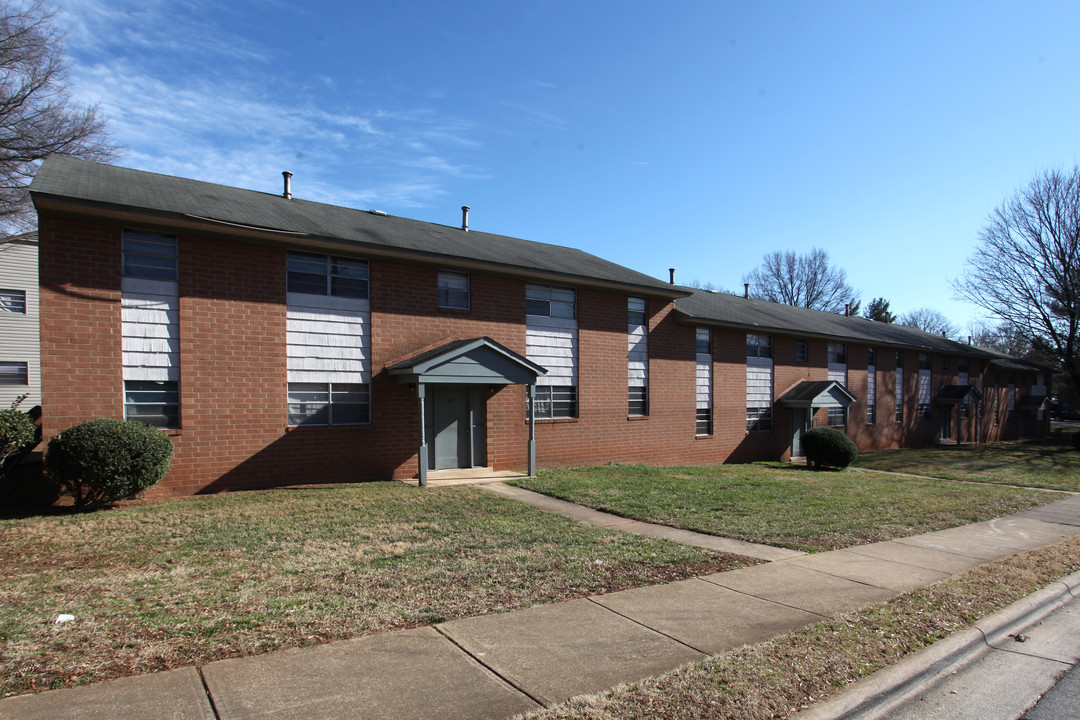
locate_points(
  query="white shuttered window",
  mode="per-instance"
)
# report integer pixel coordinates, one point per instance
(637, 357)
(150, 328)
(703, 345)
(759, 383)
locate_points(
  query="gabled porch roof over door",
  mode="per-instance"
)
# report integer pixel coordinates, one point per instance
(473, 361)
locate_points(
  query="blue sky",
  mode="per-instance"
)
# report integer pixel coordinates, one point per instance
(694, 135)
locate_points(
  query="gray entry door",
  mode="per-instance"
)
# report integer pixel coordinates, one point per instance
(456, 422)
(946, 422)
(798, 427)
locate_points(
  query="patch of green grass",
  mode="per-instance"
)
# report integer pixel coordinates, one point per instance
(786, 506)
(1053, 464)
(165, 584)
(791, 671)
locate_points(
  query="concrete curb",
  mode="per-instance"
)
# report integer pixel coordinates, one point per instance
(891, 686)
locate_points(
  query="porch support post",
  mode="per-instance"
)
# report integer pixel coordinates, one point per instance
(422, 455)
(531, 393)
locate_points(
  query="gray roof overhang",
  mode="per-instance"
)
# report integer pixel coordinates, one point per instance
(476, 361)
(1033, 402)
(172, 222)
(816, 394)
(959, 395)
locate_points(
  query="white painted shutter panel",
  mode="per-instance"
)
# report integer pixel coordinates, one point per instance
(637, 356)
(552, 343)
(328, 339)
(759, 382)
(150, 329)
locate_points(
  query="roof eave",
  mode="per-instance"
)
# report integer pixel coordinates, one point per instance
(164, 220)
(688, 318)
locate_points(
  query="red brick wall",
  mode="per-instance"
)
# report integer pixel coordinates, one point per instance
(235, 432)
(79, 271)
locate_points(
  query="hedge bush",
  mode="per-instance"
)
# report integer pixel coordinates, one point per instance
(16, 431)
(828, 447)
(101, 461)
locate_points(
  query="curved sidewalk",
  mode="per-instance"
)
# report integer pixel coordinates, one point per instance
(494, 666)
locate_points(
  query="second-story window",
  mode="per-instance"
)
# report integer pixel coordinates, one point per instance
(837, 354)
(327, 275)
(546, 301)
(758, 346)
(454, 290)
(149, 255)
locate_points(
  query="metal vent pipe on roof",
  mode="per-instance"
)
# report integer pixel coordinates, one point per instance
(671, 275)
(465, 218)
(746, 290)
(288, 184)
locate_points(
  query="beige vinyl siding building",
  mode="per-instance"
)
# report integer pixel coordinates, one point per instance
(20, 347)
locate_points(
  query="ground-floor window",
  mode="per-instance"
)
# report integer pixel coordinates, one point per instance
(329, 404)
(704, 421)
(924, 411)
(836, 417)
(14, 373)
(154, 402)
(871, 414)
(639, 400)
(758, 419)
(555, 401)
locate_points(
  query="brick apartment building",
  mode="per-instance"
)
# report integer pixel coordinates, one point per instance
(281, 341)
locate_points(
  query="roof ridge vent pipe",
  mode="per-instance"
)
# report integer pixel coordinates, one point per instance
(288, 184)
(746, 290)
(465, 218)
(671, 275)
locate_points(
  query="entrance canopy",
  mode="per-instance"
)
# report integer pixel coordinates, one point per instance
(1033, 403)
(474, 361)
(815, 394)
(959, 395)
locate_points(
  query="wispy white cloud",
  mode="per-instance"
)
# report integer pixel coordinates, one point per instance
(158, 27)
(245, 126)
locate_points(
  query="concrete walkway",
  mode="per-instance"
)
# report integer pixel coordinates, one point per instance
(596, 517)
(495, 666)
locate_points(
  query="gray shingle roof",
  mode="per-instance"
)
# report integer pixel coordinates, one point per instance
(809, 391)
(111, 186)
(713, 308)
(958, 394)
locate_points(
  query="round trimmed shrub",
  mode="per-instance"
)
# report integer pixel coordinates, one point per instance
(828, 447)
(101, 461)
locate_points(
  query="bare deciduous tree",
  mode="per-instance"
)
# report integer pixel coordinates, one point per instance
(931, 321)
(1002, 337)
(37, 115)
(1026, 271)
(808, 281)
